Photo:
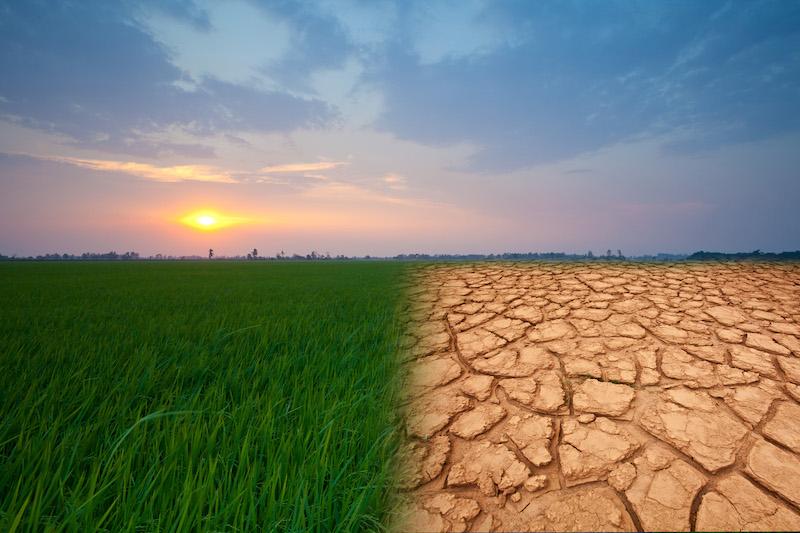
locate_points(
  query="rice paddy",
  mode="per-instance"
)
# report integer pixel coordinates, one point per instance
(209, 396)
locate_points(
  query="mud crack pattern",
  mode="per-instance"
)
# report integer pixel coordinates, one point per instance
(614, 397)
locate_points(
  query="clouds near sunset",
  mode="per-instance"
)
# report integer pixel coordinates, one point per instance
(638, 125)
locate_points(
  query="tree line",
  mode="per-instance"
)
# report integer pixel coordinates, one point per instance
(253, 255)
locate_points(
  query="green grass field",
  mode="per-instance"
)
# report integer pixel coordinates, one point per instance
(197, 396)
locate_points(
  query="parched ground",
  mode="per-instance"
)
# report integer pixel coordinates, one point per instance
(612, 397)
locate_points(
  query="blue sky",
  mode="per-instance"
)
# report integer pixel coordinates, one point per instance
(387, 127)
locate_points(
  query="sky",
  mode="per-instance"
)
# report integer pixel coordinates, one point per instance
(370, 127)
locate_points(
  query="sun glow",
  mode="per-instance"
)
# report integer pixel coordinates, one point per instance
(206, 220)
(209, 220)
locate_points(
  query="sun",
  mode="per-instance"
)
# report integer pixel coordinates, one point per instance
(209, 220)
(206, 220)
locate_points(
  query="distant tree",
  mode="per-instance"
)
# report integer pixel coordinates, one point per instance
(255, 253)
(210, 253)
(608, 253)
(249, 256)
(589, 254)
(619, 254)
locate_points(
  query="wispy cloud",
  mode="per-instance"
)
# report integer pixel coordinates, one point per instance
(664, 208)
(146, 171)
(337, 190)
(303, 167)
(395, 181)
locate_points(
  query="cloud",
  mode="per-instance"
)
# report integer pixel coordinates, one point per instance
(224, 49)
(339, 191)
(367, 24)
(664, 208)
(205, 173)
(526, 83)
(170, 174)
(303, 167)
(142, 147)
(395, 181)
(318, 41)
(185, 10)
(89, 72)
(582, 76)
(448, 30)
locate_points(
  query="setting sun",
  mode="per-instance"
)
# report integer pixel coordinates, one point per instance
(208, 220)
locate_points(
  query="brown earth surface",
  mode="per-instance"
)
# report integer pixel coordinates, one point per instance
(613, 397)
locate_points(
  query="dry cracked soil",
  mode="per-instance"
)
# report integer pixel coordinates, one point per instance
(611, 397)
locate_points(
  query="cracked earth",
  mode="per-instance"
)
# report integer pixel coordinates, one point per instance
(613, 397)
